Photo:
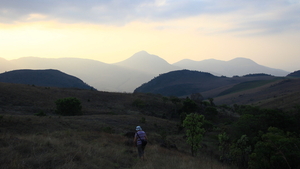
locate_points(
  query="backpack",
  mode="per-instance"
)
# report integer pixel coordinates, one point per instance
(144, 142)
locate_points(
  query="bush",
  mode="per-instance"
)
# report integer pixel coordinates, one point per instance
(41, 113)
(68, 106)
(139, 103)
(143, 120)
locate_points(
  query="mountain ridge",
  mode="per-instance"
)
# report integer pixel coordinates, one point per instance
(127, 75)
(235, 67)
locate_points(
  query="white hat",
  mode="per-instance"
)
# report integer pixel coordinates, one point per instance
(138, 128)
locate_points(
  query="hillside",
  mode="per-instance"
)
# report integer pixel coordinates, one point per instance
(101, 136)
(281, 93)
(294, 74)
(46, 78)
(107, 117)
(253, 89)
(184, 83)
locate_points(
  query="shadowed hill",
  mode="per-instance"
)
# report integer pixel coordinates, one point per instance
(47, 78)
(294, 74)
(280, 93)
(185, 82)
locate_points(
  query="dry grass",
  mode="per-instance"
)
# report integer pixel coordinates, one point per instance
(157, 157)
(27, 99)
(94, 140)
(82, 142)
(282, 94)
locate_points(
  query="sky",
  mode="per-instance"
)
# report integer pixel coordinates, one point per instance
(266, 31)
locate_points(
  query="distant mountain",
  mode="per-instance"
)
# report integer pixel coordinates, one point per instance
(124, 76)
(145, 62)
(185, 82)
(5, 65)
(47, 78)
(294, 74)
(102, 76)
(237, 66)
(127, 75)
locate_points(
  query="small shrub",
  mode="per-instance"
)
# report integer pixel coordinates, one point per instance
(108, 130)
(68, 106)
(143, 120)
(139, 103)
(41, 113)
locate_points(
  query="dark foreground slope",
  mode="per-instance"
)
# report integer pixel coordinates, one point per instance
(97, 139)
(20, 98)
(94, 140)
(46, 78)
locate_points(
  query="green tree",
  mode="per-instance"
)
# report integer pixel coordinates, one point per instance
(240, 150)
(224, 144)
(197, 97)
(211, 101)
(189, 106)
(165, 99)
(194, 131)
(277, 149)
(68, 106)
(175, 100)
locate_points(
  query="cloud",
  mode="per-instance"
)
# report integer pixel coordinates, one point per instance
(259, 16)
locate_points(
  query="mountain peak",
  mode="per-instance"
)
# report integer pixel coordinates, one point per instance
(241, 60)
(144, 56)
(147, 62)
(142, 52)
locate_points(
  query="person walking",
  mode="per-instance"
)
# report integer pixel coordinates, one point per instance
(140, 141)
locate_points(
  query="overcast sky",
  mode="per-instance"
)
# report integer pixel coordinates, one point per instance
(266, 31)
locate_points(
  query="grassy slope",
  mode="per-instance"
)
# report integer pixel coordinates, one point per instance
(87, 142)
(246, 86)
(283, 94)
(95, 140)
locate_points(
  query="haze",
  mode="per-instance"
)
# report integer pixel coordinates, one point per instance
(268, 32)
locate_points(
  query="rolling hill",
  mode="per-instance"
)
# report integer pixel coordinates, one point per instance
(256, 89)
(47, 78)
(185, 82)
(294, 74)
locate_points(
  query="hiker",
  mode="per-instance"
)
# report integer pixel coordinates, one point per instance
(140, 140)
